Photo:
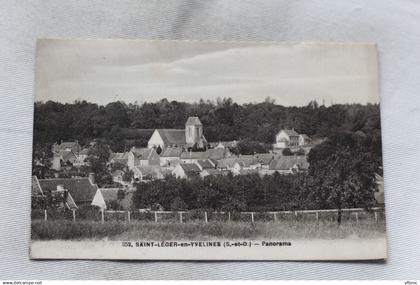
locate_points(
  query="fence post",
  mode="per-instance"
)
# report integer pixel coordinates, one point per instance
(45, 215)
(156, 217)
(74, 215)
(129, 216)
(102, 216)
(252, 216)
(180, 217)
(229, 216)
(205, 216)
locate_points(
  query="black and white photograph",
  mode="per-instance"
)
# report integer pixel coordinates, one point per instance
(200, 150)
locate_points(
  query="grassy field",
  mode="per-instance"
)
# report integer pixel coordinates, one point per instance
(113, 230)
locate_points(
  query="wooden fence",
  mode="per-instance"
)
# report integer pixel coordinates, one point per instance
(355, 214)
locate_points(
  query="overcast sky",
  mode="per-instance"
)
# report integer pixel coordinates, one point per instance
(103, 71)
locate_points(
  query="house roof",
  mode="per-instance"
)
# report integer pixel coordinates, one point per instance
(226, 162)
(84, 151)
(190, 169)
(217, 153)
(36, 188)
(213, 153)
(195, 155)
(117, 173)
(246, 160)
(80, 188)
(67, 145)
(265, 158)
(195, 121)
(171, 152)
(216, 172)
(291, 132)
(111, 194)
(305, 136)
(172, 136)
(142, 153)
(205, 164)
(287, 162)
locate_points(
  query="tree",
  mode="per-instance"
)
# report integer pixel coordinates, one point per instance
(98, 156)
(341, 175)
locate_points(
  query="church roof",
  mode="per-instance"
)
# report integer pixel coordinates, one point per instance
(195, 121)
(172, 136)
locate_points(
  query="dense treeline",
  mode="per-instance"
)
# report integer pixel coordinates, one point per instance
(223, 120)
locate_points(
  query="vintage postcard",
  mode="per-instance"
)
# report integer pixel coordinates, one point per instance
(189, 150)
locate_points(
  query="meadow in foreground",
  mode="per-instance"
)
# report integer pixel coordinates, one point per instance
(138, 230)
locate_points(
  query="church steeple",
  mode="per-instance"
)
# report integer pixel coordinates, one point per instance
(193, 131)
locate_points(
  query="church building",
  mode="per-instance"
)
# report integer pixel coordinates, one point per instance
(190, 137)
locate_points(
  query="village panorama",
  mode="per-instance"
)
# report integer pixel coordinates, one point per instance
(221, 164)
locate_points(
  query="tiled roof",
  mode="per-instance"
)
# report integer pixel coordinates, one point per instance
(67, 145)
(195, 155)
(265, 158)
(217, 172)
(190, 169)
(195, 121)
(246, 160)
(142, 153)
(205, 164)
(291, 132)
(80, 188)
(213, 153)
(304, 136)
(84, 151)
(111, 194)
(226, 162)
(287, 162)
(171, 152)
(217, 153)
(172, 136)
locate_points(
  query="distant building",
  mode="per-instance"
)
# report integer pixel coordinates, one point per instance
(67, 154)
(304, 140)
(142, 157)
(287, 138)
(213, 154)
(68, 146)
(81, 190)
(148, 173)
(119, 157)
(289, 164)
(170, 156)
(214, 172)
(112, 199)
(186, 170)
(190, 137)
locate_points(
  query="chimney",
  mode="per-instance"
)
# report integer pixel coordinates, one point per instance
(92, 178)
(60, 187)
